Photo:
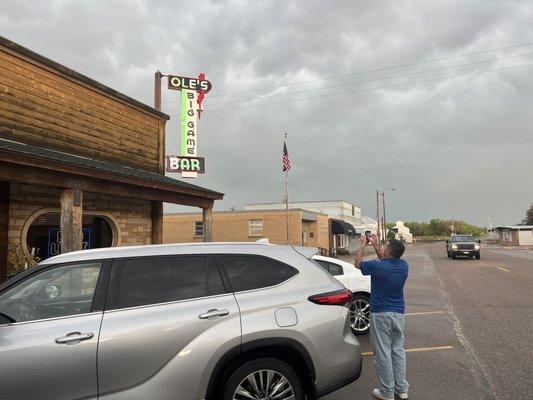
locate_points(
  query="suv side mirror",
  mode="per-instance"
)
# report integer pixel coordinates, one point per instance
(447, 242)
(479, 241)
(51, 292)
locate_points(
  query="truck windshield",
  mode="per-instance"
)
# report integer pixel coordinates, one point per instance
(463, 239)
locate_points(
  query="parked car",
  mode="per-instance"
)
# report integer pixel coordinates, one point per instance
(359, 284)
(189, 322)
(463, 245)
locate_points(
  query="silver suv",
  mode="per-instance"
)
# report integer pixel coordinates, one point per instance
(176, 322)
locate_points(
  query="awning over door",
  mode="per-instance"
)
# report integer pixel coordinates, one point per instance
(340, 227)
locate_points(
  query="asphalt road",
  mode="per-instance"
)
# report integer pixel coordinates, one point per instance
(469, 327)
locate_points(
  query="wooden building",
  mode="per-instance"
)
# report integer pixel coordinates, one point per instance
(81, 165)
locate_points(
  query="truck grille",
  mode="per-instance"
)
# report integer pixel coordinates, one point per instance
(466, 246)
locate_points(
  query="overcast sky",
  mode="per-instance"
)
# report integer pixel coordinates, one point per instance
(456, 142)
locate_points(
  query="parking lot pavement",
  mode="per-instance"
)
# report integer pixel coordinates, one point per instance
(457, 346)
(493, 303)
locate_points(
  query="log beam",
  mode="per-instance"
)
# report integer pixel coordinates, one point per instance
(157, 222)
(4, 228)
(71, 220)
(208, 223)
(38, 176)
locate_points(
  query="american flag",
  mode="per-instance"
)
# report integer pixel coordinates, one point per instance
(285, 159)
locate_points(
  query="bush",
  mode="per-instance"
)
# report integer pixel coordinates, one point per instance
(19, 260)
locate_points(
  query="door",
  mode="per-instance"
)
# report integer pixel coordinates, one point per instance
(48, 349)
(168, 320)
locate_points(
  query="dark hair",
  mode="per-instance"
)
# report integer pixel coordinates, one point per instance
(396, 248)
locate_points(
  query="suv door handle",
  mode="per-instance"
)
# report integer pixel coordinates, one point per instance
(213, 313)
(74, 337)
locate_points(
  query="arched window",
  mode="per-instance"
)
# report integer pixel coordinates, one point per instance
(44, 234)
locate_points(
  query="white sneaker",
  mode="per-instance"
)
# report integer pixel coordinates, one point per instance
(377, 395)
(402, 396)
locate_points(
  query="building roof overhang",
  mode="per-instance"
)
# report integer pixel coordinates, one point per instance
(31, 164)
(516, 227)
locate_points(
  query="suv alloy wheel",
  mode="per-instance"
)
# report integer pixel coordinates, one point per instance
(360, 314)
(264, 379)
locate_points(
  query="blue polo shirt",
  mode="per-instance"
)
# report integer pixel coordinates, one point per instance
(388, 279)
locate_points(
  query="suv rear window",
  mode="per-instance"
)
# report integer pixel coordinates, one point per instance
(333, 269)
(151, 280)
(254, 272)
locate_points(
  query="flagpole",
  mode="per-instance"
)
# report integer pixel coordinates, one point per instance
(287, 197)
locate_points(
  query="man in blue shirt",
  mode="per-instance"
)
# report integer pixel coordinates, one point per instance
(387, 321)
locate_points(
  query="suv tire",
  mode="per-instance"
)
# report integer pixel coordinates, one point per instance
(360, 304)
(478, 256)
(453, 256)
(278, 372)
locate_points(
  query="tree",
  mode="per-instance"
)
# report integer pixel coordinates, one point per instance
(439, 227)
(529, 215)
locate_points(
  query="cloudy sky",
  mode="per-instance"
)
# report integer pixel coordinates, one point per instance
(434, 98)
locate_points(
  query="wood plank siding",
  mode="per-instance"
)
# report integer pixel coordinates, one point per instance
(45, 106)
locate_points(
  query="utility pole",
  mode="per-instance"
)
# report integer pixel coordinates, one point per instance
(384, 225)
(287, 197)
(384, 218)
(378, 230)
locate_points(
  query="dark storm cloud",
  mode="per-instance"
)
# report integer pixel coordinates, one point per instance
(454, 148)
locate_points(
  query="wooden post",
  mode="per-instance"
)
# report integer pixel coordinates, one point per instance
(330, 237)
(4, 228)
(71, 220)
(157, 222)
(208, 223)
(157, 90)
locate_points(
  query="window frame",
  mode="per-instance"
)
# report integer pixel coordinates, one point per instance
(195, 229)
(250, 234)
(99, 295)
(110, 304)
(226, 277)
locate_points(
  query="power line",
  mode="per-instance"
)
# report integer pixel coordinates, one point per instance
(376, 79)
(366, 71)
(371, 89)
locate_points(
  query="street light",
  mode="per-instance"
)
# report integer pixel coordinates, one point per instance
(382, 191)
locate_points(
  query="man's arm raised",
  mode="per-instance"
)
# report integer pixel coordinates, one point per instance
(375, 242)
(360, 253)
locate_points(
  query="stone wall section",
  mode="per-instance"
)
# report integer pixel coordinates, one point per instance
(131, 216)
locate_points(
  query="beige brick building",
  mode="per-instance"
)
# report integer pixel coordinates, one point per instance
(306, 228)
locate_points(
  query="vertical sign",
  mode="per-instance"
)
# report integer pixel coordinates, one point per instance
(193, 91)
(189, 127)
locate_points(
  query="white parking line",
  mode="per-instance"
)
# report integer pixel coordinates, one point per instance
(503, 269)
(425, 313)
(416, 350)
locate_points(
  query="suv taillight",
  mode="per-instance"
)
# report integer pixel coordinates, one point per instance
(337, 298)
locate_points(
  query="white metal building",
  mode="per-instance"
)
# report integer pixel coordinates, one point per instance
(515, 235)
(402, 232)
